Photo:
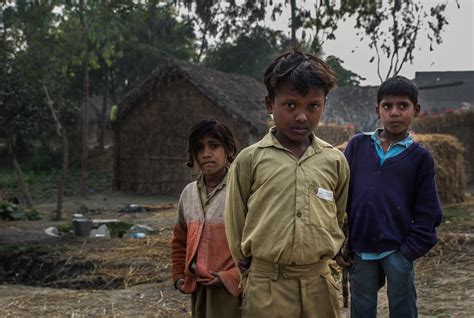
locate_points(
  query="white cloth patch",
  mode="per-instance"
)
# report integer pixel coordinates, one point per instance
(325, 194)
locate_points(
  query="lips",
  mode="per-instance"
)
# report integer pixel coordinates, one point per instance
(300, 129)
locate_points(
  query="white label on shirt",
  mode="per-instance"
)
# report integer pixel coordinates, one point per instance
(325, 194)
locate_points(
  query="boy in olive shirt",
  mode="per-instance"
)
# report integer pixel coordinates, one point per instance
(287, 197)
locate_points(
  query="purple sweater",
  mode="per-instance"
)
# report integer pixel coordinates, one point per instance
(393, 206)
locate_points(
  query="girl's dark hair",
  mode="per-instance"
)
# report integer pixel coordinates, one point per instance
(217, 130)
(302, 70)
(398, 86)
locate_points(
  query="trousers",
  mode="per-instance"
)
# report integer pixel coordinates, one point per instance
(289, 291)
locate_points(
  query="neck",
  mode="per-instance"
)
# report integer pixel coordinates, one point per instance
(297, 147)
(392, 138)
(212, 180)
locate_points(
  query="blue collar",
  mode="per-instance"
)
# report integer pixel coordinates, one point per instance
(375, 137)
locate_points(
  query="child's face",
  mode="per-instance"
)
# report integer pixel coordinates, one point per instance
(211, 157)
(296, 116)
(397, 113)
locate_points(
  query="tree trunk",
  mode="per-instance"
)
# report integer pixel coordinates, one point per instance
(103, 114)
(19, 173)
(85, 115)
(293, 22)
(62, 178)
(65, 144)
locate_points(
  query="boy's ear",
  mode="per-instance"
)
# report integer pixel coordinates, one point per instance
(417, 110)
(269, 104)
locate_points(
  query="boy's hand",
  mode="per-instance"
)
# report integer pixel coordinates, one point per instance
(244, 265)
(179, 285)
(342, 262)
(215, 281)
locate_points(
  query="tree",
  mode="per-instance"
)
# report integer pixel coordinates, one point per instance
(393, 29)
(344, 76)
(249, 55)
(151, 34)
(21, 109)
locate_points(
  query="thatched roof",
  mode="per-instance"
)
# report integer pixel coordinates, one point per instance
(355, 104)
(239, 96)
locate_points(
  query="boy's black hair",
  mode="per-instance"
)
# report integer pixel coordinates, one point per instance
(216, 129)
(398, 86)
(302, 70)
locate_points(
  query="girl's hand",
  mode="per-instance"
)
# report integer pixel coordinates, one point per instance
(215, 281)
(179, 285)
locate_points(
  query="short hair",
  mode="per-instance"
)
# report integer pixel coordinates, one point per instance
(216, 129)
(302, 70)
(398, 86)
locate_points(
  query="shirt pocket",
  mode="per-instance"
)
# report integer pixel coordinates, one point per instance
(322, 208)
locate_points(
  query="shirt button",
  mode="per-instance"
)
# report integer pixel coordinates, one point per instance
(298, 214)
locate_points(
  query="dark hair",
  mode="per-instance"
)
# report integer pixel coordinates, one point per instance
(217, 130)
(398, 86)
(301, 69)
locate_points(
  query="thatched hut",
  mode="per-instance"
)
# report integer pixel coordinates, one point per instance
(154, 119)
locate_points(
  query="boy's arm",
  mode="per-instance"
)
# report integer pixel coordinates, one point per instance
(178, 245)
(342, 191)
(238, 192)
(427, 214)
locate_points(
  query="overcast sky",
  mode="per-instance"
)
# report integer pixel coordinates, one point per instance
(454, 54)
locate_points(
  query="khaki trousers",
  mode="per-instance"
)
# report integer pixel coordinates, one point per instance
(214, 302)
(289, 291)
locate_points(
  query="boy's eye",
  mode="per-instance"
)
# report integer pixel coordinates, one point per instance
(290, 105)
(386, 106)
(313, 106)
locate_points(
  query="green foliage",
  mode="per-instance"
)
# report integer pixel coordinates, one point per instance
(344, 76)
(118, 229)
(13, 212)
(249, 55)
(43, 184)
(65, 227)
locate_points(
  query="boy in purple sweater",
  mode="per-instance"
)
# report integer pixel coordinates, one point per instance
(393, 205)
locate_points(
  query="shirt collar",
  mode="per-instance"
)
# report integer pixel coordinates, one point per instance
(271, 141)
(202, 185)
(374, 135)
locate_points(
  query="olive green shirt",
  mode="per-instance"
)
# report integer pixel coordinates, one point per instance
(285, 209)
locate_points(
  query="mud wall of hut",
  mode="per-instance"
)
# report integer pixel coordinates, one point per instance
(152, 139)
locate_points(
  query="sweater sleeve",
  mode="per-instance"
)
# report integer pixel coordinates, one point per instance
(238, 193)
(178, 245)
(427, 214)
(231, 279)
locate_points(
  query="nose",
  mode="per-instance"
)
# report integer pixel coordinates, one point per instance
(394, 112)
(205, 152)
(301, 117)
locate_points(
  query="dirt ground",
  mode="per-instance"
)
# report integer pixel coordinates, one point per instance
(131, 277)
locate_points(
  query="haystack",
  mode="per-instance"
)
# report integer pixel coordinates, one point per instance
(459, 124)
(448, 154)
(334, 134)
